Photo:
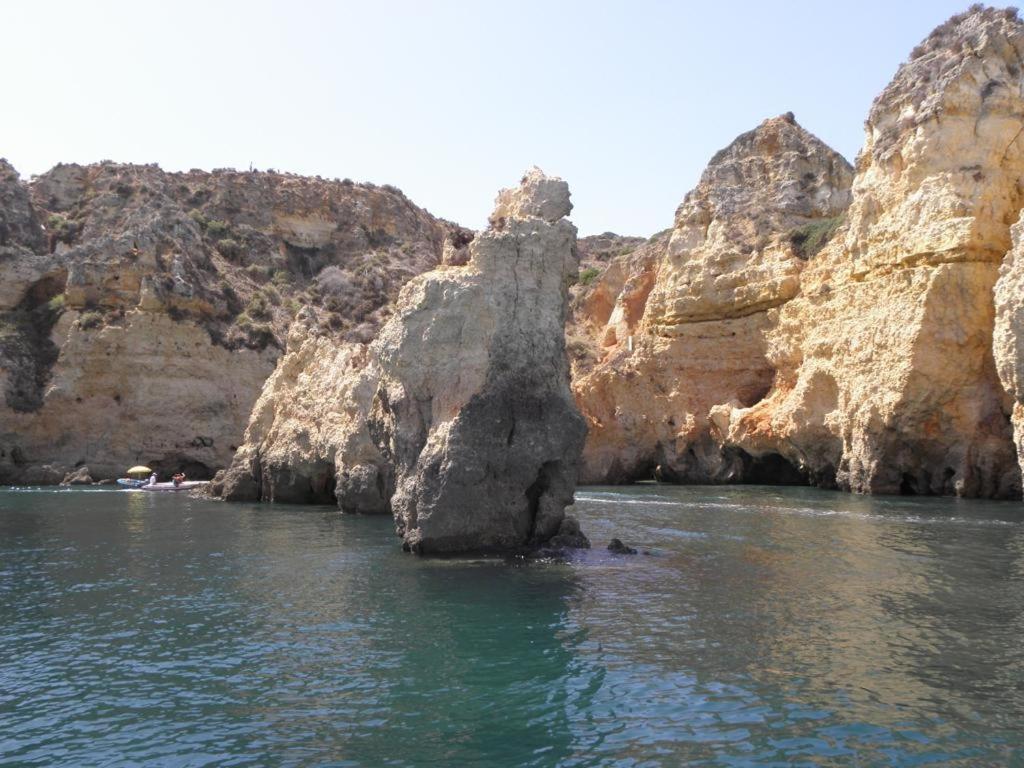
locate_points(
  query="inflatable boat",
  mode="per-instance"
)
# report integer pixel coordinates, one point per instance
(128, 482)
(187, 485)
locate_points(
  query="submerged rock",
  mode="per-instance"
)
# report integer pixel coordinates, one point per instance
(474, 408)
(615, 546)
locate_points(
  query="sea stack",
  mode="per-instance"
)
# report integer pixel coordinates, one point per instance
(474, 408)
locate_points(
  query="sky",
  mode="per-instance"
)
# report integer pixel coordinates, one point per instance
(447, 100)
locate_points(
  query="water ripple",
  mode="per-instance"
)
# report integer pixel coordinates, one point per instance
(772, 627)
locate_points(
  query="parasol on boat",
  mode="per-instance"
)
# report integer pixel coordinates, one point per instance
(139, 470)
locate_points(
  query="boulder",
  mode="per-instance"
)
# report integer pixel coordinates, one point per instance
(616, 547)
(79, 476)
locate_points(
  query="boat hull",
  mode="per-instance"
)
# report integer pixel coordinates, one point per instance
(188, 485)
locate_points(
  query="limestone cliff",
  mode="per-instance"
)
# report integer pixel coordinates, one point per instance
(1008, 337)
(474, 409)
(884, 379)
(307, 439)
(679, 323)
(142, 311)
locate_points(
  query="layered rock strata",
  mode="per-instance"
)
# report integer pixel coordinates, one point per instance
(679, 323)
(884, 374)
(142, 311)
(474, 409)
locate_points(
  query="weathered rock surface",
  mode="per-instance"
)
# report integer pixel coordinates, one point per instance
(142, 311)
(80, 476)
(1008, 336)
(474, 408)
(679, 323)
(307, 439)
(884, 375)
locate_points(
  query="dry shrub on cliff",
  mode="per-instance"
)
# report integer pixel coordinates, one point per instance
(228, 247)
(336, 288)
(946, 35)
(257, 308)
(809, 239)
(90, 320)
(333, 280)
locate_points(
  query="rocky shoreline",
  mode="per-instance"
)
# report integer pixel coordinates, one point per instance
(803, 321)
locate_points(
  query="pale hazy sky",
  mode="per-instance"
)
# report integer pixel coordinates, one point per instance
(447, 100)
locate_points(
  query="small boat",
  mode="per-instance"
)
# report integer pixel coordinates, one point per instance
(132, 482)
(186, 485)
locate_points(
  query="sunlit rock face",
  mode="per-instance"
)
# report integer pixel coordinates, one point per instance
(141, 311)
(1008, 337)
(307, 440)
(884, 374)
(679, 325)
(474, 408)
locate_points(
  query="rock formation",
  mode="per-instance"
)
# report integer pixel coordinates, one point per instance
(776, 339)
(1008, 337)
(142, 311)
(799, 323)
(307, 439)
(884, 374)
(679, 323)
(474, 409)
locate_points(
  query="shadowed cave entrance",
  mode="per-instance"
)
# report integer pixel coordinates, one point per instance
(737, 467)
(770, 469)
(193, 469)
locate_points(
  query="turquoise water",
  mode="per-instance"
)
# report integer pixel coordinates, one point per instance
(768, 627)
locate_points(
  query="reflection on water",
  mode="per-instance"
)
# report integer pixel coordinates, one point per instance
(766, 626)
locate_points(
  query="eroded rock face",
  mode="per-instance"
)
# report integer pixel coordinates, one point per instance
(307, 439)
(474, 408)
(142, 311)
(1008, 337)
(21, 237)
(885, 380)
(679, 324)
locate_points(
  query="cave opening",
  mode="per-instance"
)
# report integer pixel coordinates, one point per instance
(193, 468)
(771, 469)
(537, 489)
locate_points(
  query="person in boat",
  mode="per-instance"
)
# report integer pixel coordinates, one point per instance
(179, 478)
(152, 479)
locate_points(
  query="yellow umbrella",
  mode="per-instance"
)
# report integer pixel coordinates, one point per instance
(139, 470)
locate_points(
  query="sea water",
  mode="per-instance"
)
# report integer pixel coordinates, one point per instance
(759, 626)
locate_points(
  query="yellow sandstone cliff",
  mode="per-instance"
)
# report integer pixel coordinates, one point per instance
(870, 366)
(884, 373)
(680, 323)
